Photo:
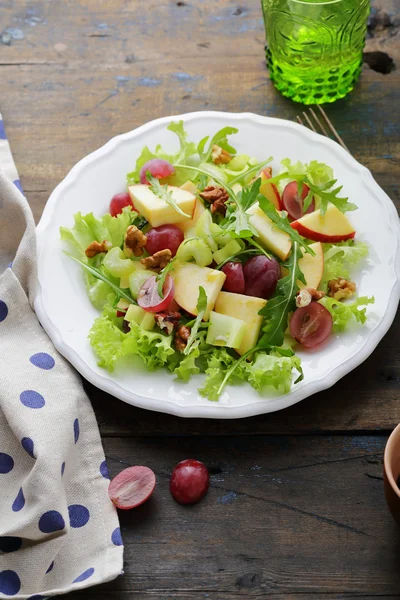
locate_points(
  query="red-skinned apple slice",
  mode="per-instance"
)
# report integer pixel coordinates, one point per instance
(331, 228)
(312, 267)
(269, 190)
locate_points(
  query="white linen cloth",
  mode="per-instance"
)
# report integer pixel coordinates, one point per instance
(58, 529)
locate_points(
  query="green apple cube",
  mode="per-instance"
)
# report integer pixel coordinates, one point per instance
(225, 331)
(231, 248)
(137, 315)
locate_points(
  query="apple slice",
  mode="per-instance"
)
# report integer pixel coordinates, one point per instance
(159, 212)
(269, 190)
(188, 277)
(245, 308)
(269, 235)
(188, 226)
(312, 267)
(333, 227)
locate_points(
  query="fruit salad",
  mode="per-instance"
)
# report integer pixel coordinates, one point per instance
(209, 262)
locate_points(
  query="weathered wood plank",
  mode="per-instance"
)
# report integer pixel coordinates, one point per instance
(284, 517)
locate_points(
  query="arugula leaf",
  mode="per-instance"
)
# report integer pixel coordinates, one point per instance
(283, 224)
(201, 309)
(187, 148)
(326, 194)
(219, 139)
(99, 275)
(162, 275)
(162, 192)
(277, 309)
(255, 169)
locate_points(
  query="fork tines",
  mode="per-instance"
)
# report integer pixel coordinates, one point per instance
(314, 123)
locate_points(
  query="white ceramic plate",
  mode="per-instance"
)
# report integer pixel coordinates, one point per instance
(67, 315)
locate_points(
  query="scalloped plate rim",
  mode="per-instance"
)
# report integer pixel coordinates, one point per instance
(214, 410)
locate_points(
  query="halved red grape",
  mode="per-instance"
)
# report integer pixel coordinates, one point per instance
(261, 275)
(149, 298)
(293, 203)
(311, 325)
(234, 281)
(158, 168)
(132, 487)
(118, 202)
(163, 237)
(189, 481)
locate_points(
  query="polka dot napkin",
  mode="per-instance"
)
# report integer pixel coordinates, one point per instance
(58, 529)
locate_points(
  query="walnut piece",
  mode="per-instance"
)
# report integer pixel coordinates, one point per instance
(158, 261)
(134, 242)
(96, 248)
(306, 295)
(341, 288)
(217, 196)
(168, 321)
(220, 156)
(181, 338)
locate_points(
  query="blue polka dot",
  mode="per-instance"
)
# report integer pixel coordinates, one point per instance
(19, 501)
(10, 583)
(116, 537)
(32, 399)
(51, 521)
(43, 361)
(62, 469)
(10, 544)
(50, 567)
(28, 446)
(36, 597)
(76, 430)
(6, 463)
(78, 515)
(85, 575)
(104, 470)
(3, 310)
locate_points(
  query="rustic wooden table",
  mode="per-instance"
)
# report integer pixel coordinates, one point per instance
(296, 506)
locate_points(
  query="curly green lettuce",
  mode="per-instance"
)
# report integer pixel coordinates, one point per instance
(266, 370)
(339, 258)
(88, 228)
(344, 314)
(110, 343)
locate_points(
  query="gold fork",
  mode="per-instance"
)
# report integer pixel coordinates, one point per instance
(316, 122)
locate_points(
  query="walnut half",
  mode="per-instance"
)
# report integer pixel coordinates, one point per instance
(181, 338)
(341, 288)
(217, 196)
(134, 242)
(158, 261)
(96, 248)
(220, 156)
(305, 296)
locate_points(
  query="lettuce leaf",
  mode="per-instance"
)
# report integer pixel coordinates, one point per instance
(339, 258)
(220, 139)
(88, 228)
(187, 366)
(265, 370)
(110, 343)
(186, 150)
(343, 313)
(218, 363)
(317, 172)
(272, 370)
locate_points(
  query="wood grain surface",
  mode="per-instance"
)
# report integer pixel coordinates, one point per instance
(296, 507)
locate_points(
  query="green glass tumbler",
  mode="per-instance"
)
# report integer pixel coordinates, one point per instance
(314, 47)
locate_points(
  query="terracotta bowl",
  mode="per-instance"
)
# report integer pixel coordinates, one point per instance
(391, 473)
